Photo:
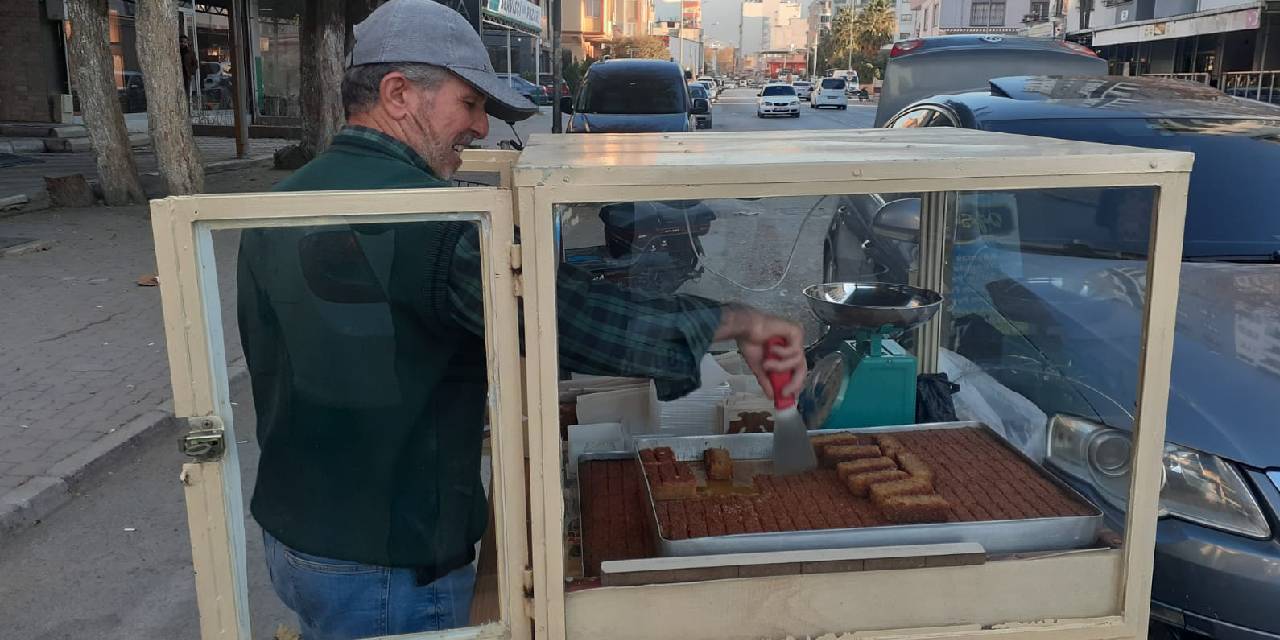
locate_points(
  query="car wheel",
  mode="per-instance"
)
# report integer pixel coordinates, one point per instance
(795, 115)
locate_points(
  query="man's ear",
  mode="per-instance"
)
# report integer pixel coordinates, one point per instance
(394, 94)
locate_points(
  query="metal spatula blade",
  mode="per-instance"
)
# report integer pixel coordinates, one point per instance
(792, 452)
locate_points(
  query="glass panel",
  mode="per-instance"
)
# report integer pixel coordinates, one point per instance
(213, 51)
(1042, 318)
(361, 425)
(278, 82)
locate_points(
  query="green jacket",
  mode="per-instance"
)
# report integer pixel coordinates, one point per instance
(370, 396)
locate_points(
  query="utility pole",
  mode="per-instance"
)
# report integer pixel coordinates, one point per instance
(738, 55)
(849, 63)
(240, 79)
(553, 25)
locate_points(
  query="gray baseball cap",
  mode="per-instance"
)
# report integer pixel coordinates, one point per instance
(430, 33)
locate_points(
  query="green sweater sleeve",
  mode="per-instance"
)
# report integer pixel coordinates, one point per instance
(604, 329)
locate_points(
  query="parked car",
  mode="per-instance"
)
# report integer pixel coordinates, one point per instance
(804, 89)
(633, 95)
(532, 92)
(830, 93)
(214, 76)
(1078, 286)
(950, 64)
(548, 85)
(777, 100)
(713, 87)
(698, 91)
(133, 95)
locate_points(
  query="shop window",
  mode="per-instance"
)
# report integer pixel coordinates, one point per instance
(278, 80)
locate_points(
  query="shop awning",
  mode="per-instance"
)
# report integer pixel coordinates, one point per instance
(1218, 21)
(519, 15)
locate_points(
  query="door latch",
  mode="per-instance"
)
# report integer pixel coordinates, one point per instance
(205, 439)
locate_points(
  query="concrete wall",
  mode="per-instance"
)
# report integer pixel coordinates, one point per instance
(31, 66)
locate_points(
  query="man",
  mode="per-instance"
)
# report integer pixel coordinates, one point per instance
(366, 353)
(187, 58)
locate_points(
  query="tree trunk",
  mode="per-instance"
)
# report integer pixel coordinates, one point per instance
(91, 62)
(168, 104)
(323, 36)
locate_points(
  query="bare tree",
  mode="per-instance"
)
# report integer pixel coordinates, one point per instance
(322, 42)
(168, 103)
(91, 61)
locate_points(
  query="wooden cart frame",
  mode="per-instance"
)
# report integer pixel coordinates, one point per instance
(1085, 594)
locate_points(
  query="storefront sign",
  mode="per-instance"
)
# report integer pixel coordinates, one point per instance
(1217, 22)
(691, 14)
(521, 13)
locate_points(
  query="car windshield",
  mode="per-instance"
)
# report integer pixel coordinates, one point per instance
(833, 83)
(779, 90)
(633, 92)
(696, 90)
(1233, 187)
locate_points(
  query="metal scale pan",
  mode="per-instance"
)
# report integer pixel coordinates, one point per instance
(864, 378)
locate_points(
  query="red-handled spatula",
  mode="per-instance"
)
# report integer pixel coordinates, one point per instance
(792, 452)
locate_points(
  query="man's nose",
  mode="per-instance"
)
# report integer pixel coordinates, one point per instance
(480, 125)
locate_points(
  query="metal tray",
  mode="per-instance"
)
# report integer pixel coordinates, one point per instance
(996, 536)
(575, 510)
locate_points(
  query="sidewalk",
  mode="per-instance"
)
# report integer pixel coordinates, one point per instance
(83, 366)
(28, 176)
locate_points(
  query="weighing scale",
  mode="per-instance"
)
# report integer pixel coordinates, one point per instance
(869, 380)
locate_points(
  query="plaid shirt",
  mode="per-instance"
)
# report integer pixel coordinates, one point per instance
(603, 329)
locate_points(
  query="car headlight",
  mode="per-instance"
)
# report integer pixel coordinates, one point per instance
(1197, 486)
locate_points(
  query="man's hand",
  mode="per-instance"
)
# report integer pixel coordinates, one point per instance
(752, 329)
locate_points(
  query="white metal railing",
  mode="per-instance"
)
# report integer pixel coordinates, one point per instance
(1257, 85)
(1202, 78)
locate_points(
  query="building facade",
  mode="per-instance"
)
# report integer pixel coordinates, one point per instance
(34, 75)
(588, 25)
(1210, 38)
(819, 21)
(773, 25)
(943, 17)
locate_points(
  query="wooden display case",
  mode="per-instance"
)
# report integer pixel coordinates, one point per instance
(1100, 592)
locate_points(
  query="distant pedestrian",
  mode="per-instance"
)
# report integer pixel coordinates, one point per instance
(190, 65)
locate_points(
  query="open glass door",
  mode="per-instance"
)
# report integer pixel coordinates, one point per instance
(339, 313)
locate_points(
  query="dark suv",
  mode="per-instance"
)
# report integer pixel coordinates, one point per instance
(633, 96)
(1039, 274)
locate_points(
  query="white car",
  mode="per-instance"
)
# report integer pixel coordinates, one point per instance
(830, 93)
(804, 89)
(712, 87)
(778, 100)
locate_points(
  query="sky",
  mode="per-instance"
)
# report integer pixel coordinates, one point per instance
(723, 12)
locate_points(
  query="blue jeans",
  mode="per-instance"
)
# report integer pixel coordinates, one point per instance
(337, 599)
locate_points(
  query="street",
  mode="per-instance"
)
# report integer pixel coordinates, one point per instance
(119, 549)
(735, 110)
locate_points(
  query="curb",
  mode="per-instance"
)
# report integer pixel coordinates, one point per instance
(31, 246)
(36, 498)
(238, 163)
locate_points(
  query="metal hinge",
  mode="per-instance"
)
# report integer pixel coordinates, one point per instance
(528, 594)
(517, 257)
(205, 440)
(517, 261)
